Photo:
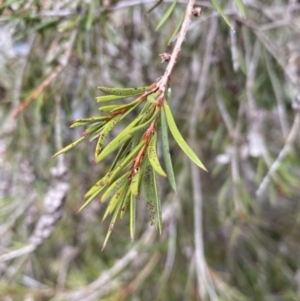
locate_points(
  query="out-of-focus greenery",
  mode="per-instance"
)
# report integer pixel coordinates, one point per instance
(234, 97)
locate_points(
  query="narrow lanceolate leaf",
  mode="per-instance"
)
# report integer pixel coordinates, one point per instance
(132, 216)
(241, 7)
(107, 98)
(103, 135)
(118, 197)
(98, 186)
(166, 15)
(134, 186)
(179, 139)
(150, 193)
(112, 223)
(157, 203)
(126, 106)
(166, 150)
(125, 203)
(123, 151)
(68, 147)
(176, 29)
(125, 135)
(152, 156)
(220, 11)
(113, 188)
(125, 162)
(92, 130)
(109, 108)
(90, 198)
(87, 121)
(125, 91)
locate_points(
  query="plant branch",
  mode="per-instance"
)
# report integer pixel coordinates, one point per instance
(282, 155)
(162, 84)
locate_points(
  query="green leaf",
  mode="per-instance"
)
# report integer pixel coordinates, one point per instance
(125, 203)
(134, 186)
(157, 202)
(220, 10)
(128, 105)
(98, 186)
(176, 29)
(87, 121)
(125, 135)
(68, 147)
(166, 150)
(109, 108)
(179, 139)
(113, 188)
(125, 91)
(123, 151)
(150, 193)
(126, 161)
(166, 15)
(105, 132)
(241, 7)
(92, 130)
(132, 216)
(107, 98)
(152, 156)
(112, 223)
(91, 196)
(118, 197)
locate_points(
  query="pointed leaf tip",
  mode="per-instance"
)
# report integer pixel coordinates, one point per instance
(178, 137)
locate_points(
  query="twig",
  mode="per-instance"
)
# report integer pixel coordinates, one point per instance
(58, 69)
(162, 84)
(283, 153)
(205, 285)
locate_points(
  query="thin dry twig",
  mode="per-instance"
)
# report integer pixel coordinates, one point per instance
(46, 82)
(205, 285)
(283, 153)
(162, 84)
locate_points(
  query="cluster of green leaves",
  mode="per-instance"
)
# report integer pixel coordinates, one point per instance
(136, 165)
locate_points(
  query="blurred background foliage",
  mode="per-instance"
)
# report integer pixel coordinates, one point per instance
(230, 234)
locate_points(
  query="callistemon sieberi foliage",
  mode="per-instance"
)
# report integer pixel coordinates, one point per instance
(136, 164)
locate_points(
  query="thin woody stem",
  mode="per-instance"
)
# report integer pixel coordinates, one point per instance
(162, 84)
